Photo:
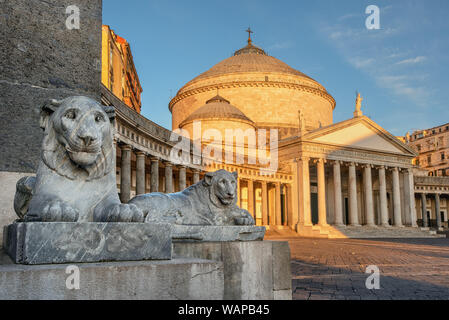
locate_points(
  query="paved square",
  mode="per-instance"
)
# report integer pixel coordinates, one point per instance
(335, 269)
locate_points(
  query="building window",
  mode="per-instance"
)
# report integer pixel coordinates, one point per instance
(429, 160)
(418, 147)
(442, 156)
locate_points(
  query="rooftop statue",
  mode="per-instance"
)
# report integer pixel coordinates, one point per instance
(211, 201)
(76, 180)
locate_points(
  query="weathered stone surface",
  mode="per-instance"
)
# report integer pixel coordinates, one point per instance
(217, 233)
(40, 58)
(249, 267)
(211, 201)
(282, 274)
(130, 280)
(65, 242)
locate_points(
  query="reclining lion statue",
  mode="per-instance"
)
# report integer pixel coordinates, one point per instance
(211, 201)
(76, 179)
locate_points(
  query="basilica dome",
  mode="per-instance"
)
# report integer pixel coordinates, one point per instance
(265, 90)
(218, 113)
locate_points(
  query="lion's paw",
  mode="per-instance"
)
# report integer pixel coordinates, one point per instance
(58, 211)
(124, 213)
(244, 221)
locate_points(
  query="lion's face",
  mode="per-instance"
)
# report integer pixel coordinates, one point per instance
(223, 186)
(78, 128)
(82, 126)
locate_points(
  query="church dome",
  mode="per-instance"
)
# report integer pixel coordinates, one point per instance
(217, 108)
(249, 59)
(264, 89)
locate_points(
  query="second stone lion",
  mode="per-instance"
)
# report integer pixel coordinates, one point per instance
(211, 201)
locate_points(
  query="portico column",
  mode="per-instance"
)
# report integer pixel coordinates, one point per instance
(305, 215)
(251, 198)
(168, 177)
(425, 222)
(321, 193)
(409, 198)
(154, 179)
(353, 215)
(368, 191)
(337, 195)
(437, 210)
(383, 197)
(278, 204)
(196, 176)
(264, 203)
(182, 178)
(140, 172)
(396, 198)
(125, 174)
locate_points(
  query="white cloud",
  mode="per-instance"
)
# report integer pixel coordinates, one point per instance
(281, 45)
(413, 60)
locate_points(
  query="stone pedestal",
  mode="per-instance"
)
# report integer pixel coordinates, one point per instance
(130, 280)
(65, 242)
(253, 270)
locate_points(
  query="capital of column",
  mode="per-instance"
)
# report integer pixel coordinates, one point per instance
(140, 154)
(168, 164)
(125, 147)
(154, 159)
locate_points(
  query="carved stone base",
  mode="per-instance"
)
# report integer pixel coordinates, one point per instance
(217, 233)
(66, 242)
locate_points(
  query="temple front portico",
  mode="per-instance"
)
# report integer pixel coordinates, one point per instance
(351, 173)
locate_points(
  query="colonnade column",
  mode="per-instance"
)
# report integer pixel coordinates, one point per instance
(352, 181)
(305, 216)
(140, 172)
(396, 198)
(337, 194)
(383, 197)
(168, 177)
(264, 203)
(251, 198)
(368, 191)
(125, 174)
(321, 193)
(437, 210)
(182, 178)
(196, 176)
(425, 222)
(154, 179)
(278, 204)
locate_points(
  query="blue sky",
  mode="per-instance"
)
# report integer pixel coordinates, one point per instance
(401, 70)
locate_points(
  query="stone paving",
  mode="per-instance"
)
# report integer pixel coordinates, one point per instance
(335, 269)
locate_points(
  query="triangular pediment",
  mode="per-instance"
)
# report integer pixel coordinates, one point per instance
(360, 133)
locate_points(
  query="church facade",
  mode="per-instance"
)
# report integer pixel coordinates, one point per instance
(350, 178)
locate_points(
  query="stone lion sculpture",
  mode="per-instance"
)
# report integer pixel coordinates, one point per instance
(211, 201)
(76, 179)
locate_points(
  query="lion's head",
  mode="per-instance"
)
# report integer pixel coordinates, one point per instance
(78, 137)
(223, 187)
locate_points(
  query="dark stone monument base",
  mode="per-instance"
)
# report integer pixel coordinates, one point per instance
(182, 233)
(67, 242)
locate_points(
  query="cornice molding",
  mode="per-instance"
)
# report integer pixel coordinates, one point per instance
(236, 84)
